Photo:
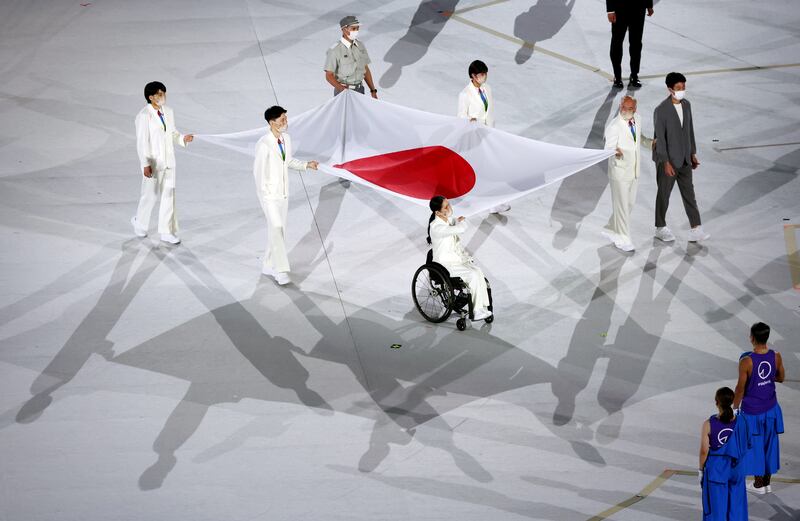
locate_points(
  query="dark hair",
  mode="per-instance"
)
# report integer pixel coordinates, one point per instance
(760, 332)
(152, 88)
(724, 399)
(673, 78)
(477, 67)
(273, 113)
(435, 205)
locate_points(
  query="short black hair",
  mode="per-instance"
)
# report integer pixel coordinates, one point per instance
(673, 78)
(760, 333)
(152, 88)
(477, 67)
(273, 113)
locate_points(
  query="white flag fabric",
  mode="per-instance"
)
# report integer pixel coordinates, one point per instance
(415, 155)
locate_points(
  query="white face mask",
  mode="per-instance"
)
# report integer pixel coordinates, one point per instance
(353, 35)
(626, 115)
(679, 94)
(283, 128)
(160, 101)
(480, 79)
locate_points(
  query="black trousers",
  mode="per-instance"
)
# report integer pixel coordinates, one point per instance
(683, 176)
(632, 22)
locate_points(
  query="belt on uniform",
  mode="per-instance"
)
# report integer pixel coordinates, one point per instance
(354, 86)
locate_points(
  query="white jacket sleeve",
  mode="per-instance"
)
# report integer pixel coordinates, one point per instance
(177, 137)
(645, 141)
(463, 105)
(261, 164)
(296, 164)
(612, 135)
(440, 232)
(143, 141)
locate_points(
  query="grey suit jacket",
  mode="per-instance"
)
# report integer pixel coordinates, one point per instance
(674, 143)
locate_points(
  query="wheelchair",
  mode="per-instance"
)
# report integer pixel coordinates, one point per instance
(437, 295)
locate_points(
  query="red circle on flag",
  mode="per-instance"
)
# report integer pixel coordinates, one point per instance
(420, 173)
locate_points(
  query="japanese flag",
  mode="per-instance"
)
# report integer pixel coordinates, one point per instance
(415, 155)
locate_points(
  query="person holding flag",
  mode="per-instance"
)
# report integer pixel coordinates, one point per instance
(476, 104)
(443, 236)
(624, 136)
(156, 137)
(271, 171)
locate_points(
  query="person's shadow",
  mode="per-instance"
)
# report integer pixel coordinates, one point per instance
(214, 375)
(757, 185)
(455, 368)
(540, 22)
(427, 23)
(91, 335)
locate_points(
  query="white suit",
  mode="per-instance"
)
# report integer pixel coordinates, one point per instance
(623, 172)
(448, 252)
(155, 145)
(271, 172)
(470, 104)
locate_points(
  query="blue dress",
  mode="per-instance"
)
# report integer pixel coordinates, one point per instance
(724, 493)
(761, 411)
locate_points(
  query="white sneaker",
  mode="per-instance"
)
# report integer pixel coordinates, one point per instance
(751, 487)
(500, 208)
(768, 489)
(624, 245)
(269, 272)
(698, 234)
(136, 230)
(665, 234)
(481, 314)
(282, 278)
(172, 239)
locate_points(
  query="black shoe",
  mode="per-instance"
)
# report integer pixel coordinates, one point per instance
(634, 83)
(618, 84)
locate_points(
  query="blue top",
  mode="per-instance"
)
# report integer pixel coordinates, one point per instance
(759, 392)
(720, 432)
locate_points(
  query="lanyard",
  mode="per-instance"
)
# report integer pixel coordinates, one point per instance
(164, 123)
(632, 126)
(485, 100)
(283, 151)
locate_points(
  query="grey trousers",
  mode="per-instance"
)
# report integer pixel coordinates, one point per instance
(683, 176)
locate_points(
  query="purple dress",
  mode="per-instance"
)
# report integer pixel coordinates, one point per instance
(761, 411)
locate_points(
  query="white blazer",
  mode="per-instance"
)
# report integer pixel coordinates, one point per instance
(446, 244)
(470, 104)
(618, 135)
(156, 146)
(270, 170)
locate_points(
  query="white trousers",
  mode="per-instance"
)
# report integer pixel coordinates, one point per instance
(473, 276)
(160, 187)
(623, 198)
(275, 257)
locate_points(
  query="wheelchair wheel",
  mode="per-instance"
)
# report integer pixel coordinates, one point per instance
(461, 324)
(433, 293)
(489, 319)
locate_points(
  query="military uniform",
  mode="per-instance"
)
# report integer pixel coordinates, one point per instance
(348, 62)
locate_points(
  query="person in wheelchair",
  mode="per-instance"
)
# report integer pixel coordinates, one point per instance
(443, 236)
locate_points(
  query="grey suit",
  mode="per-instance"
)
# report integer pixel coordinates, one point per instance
(674, 143)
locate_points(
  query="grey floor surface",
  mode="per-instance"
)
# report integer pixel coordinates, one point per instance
(140, 381)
